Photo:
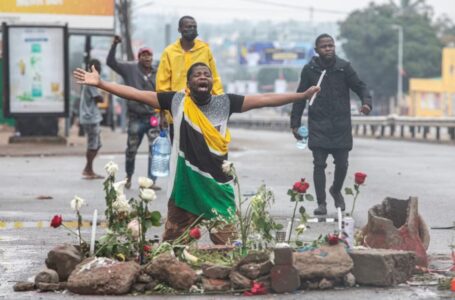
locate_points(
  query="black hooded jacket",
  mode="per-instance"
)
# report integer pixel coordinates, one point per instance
(329, 117)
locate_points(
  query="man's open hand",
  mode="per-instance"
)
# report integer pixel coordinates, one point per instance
(84, 77)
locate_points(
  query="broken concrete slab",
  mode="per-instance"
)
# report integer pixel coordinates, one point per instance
(382, 267)
(396, 224)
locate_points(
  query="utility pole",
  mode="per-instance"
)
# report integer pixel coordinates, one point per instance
(399, 99)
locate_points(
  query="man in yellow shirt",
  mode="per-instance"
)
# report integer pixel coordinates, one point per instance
(178, 57)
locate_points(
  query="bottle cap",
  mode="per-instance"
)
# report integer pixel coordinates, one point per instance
(163, 133)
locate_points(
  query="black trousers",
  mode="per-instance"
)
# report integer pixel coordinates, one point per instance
(340, 157)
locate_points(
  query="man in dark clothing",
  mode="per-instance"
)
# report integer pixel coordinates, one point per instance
(140, 75)
(329, 117)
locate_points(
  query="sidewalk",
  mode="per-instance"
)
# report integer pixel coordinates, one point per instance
(114, 142)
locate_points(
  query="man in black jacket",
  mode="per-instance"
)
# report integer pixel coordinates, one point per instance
(329, 117)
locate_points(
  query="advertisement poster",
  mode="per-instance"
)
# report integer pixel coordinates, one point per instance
(36, 63)
(269, 53)
(78, 14)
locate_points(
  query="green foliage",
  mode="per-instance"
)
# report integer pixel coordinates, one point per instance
(371, 44)
(262, 222)
(348, 191)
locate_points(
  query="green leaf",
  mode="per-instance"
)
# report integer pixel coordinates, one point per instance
(348, 191)
(155, 218)
(309, 197)
(299, 243)
(302, 210)
(279, 226)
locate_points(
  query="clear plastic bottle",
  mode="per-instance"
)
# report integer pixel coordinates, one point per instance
(161, 154)
(303, 132)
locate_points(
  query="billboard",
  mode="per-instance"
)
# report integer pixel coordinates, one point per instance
(82, 15)
(269, 53)
(35, 70)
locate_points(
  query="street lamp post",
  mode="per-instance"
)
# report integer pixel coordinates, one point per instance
(399, 66)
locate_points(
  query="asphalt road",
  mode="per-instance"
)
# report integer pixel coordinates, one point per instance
(395, 168)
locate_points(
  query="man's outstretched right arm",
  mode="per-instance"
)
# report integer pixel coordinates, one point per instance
(126, 92)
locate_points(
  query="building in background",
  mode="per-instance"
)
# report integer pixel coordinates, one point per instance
(435, 97)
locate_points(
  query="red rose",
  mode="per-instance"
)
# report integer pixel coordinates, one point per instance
(56, 221)
(147, 248)
(257, 288)
(195, 233)
(360, 177)
(332, 239)
(301, 186)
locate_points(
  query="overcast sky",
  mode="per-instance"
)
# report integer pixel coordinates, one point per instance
(274, 10)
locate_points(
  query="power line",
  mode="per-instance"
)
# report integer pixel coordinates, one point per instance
(309, 8)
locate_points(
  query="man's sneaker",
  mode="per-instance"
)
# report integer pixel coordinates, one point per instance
(128, 183)
(321, 210)
(339, 199)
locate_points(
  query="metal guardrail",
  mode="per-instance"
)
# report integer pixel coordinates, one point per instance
(392, 126)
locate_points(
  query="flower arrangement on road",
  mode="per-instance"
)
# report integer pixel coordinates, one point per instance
(254, 219)
(57, 220)
(298, 194)
(127, 220)
(359, 179)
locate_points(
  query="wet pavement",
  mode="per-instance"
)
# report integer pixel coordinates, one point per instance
(394, 168)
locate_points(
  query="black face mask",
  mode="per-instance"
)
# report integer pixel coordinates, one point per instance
(189, 34)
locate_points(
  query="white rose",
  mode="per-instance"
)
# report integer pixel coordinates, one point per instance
(147, 194)
(121, 204)
(77, 203)
(118, 187)
(227, 167)
(111, 168)
(134, 227)
(145, 182)
(301, 228)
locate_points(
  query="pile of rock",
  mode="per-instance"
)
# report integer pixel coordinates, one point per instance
(284, 271)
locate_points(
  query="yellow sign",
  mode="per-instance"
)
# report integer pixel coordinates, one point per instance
(78, 14)
(65, 7)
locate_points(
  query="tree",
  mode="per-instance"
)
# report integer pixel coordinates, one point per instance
(123, 8)
(371, 44)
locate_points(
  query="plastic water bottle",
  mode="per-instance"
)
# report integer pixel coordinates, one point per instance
(303, 132)
(161, 154)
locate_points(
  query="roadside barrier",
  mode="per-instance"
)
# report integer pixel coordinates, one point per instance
(398, 127)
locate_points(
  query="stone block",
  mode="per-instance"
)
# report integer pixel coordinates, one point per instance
(216, 271)
(47, 276)
(63, 259)
(382, 267)
(169, 269)
(103, 276)
(215, 285)
(24, 286)
(284, 279)
(324, 262)
(283, 256)
(253, 270)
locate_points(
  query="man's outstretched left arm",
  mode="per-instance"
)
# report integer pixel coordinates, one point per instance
(270, 100)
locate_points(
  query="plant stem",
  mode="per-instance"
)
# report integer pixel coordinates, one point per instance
(353, 203)
(292, 220)
(243, 232)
